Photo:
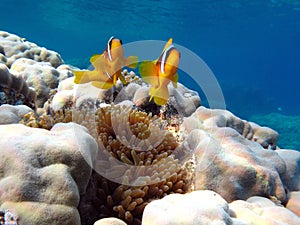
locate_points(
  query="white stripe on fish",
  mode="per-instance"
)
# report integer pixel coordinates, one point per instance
(108, 47)
(108, 75)
(164, 56)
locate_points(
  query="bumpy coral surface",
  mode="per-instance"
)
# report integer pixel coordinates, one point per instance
(198, 207)
(293, 203)
(43, 173)
(14, 90)
(207, 207)
(259, 210)
(225, 158)
(13, 47)
(13, 114)
(40, 76)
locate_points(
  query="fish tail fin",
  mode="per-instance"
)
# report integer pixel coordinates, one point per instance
(79, 76)
(131, 61)
(160, 95)
(147, 70)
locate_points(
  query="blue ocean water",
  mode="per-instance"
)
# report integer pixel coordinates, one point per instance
(252, 47)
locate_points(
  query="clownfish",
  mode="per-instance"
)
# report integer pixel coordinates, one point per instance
(161, 72)
(107, 66)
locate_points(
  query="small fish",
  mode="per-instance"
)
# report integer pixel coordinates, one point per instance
(107, 66)
(161, 72)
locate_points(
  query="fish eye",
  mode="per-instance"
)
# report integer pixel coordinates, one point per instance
(121, 42)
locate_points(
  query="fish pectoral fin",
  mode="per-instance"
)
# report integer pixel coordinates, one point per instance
(175, 80)
(160, 95)
(79, 76)
(102, 85)
(131, 61)
(147, 70)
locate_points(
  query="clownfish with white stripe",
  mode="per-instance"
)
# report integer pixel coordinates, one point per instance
(161, 72)
(107, 66)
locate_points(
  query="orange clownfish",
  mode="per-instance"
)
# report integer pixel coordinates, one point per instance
(107, 66)
(161, 72)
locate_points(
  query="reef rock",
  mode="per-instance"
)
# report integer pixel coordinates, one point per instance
(40, 76)
(265, 136)
(198, 207)
(14, 90)
(71, 94)
(293, 203)
(46, 172)
(13, 47)
(110, 221)
(230, 164)
(184, 100)
(292, 176)
(207, 207)
(259, 210)
(13, 114)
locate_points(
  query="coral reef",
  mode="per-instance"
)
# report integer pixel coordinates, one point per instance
(87, 154)
(293, 203)
(46, 172)
(13, 47)
(13, 114)
(198, 207)
(260, 210)
(110, 221)
(224, 158)
(207, 207)
(291, 178)
(14, 90)
(40, 76)
(207, 119)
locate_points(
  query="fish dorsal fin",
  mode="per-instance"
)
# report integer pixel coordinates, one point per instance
(169, 42)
